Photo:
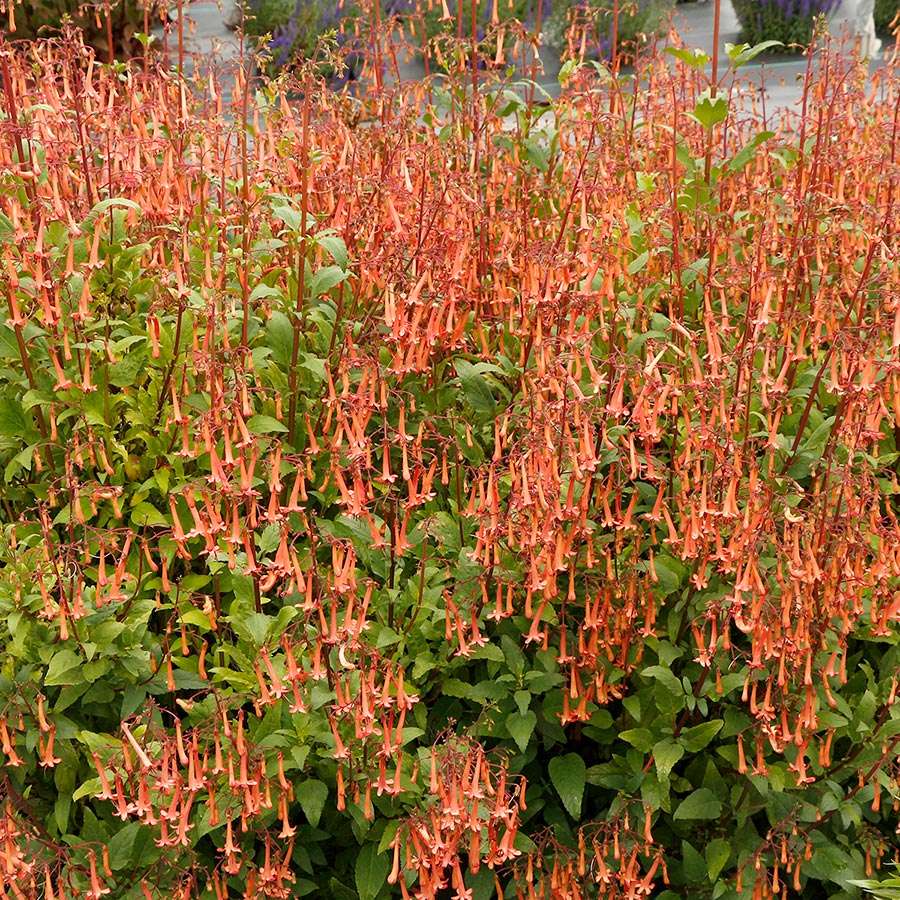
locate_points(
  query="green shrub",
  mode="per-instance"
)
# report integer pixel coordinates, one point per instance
(788, 21)
(43, 18)
(637, 21)
(885, 10)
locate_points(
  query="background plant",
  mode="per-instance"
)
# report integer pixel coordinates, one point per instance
(885, 12)
(109, 26)
(790, 21)
(588, 29)
(422, 493)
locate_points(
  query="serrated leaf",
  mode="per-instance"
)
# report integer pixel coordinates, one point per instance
(709, 111)
(639, 738)
(666, 754)
(568, 774)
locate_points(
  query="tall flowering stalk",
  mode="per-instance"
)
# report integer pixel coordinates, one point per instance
(412, 493)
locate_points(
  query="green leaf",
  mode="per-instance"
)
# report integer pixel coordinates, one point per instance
(12, 417)
(693, 864)
(121, 846)
(670, 572)
(665, 677)
(280, 338)
(566, 71)
(265, 425)
(639, 738)
(568, 776)
(666, 753)
(746, 153)
(717, 853)
(521, 727)
(476, 388)
(111, 202)
(695, 57)
(311, 794)
(145, 514)
(741, 54)
(371, 872)
(325, 279)
(335, 246)
(90, 788)
(710, 110)
(638, 263)
(696, 738)
(701, 804)
(64, 668)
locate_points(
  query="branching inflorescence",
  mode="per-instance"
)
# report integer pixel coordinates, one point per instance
(314, 410)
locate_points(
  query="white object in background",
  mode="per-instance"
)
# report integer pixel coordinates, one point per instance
(856, 19)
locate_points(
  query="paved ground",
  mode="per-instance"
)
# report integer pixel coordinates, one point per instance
(210, 43)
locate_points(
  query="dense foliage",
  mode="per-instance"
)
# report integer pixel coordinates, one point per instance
(295, 28)
(597, 27)
(885, 12)
(112, 27)
(790, 21)
(438, 493)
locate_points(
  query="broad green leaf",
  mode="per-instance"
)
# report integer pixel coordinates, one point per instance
(693, 864)
(280, 338)
(701, 804)
(121, 846)
(12, 418)
(717, 853)
(64, 668)
(325, 279)
(709, 110)
(311, 794)
(696, 738)
(89, 788)
(521, 727)
(666, 754)
(110, 203)
(371, 871)
(741, 54)
(568, 776)
(694, 57)
(639, 738)
(476, 388)
(665, 677)
(638, 263)
(265, 425)
(335, 246)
